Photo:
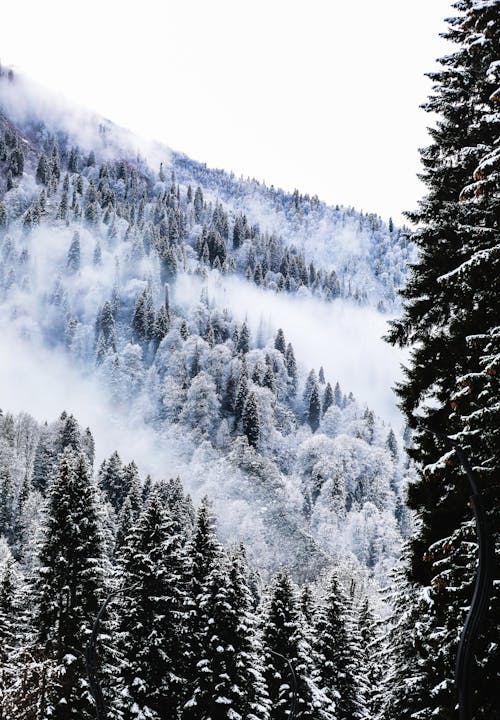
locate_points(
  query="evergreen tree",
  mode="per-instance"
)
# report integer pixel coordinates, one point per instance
(161, 325)
(279, 342)
(244, 339)
(45, 458)
(241, 395)
(6, 503)
(284, 642)
(392, 444)
(150, 636)
(311, 381)
(314, 410)
(3, 216)
(250, 421)
(449, 320)
(228, 683)
(88, 446)
(203, 552)
(105, 326)
(198, 204)
(74, 255)
(42, 170)
(70, 436)
(111, 481)
(335, 657)
(291, 367)
(269, 380)
(68, 587)
(328, 398)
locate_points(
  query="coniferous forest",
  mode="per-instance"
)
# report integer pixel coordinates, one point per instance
(196, 521)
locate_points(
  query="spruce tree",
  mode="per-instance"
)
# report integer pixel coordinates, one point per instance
(44, 460)
(328, 398)
(284, 641)
(244, 339)
(314, 409)
(291, 367)
(228, 682)
(203, 552)
(450, 383)
(279, 341)
(69, 586)
(74, 254)
(150, 629)
(111, 481)
(333, 648)
(250, 421)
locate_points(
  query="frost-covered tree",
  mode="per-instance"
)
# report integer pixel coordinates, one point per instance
(334, 650)
(279, 341)
(111, 481)
(68, 588)
(150, 633)
(202, 406)
(314, 409)
(449, 320)
(284, 641)
(250, 420)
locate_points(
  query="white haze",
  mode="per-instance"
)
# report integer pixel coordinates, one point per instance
(25, 100)
(342, 336)
(43, 382)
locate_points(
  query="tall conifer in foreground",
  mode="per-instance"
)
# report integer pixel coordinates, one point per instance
(451, 385)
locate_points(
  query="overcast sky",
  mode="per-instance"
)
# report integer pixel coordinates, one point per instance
(319, 95)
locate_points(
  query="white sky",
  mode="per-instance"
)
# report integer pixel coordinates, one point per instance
(321, 95)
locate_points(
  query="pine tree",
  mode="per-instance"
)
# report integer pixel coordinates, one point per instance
(269, 381)
(291, 367)
(284, 642)
(150, 637)
(111, 481)
(70, 436)
(228, 682)
(333, 648)
(314, 409)
(449, 317)
(74, 254)
(3, 216)
(244, 339)
(250, 420)
(69, 585)
(328, 398)
(337, 394)
(198, 204)
(45, 458)
(203, 552)
(311, 381)
(241, 395)
(97, 255)
(106, 325)
(11, 636)
(178, 505)
(161, 325)
(279, 341)
(6, 503)
(392, 445)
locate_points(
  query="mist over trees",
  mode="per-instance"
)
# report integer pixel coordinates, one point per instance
(307, 533)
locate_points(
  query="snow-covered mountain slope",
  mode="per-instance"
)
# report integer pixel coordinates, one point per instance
(145, 293)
